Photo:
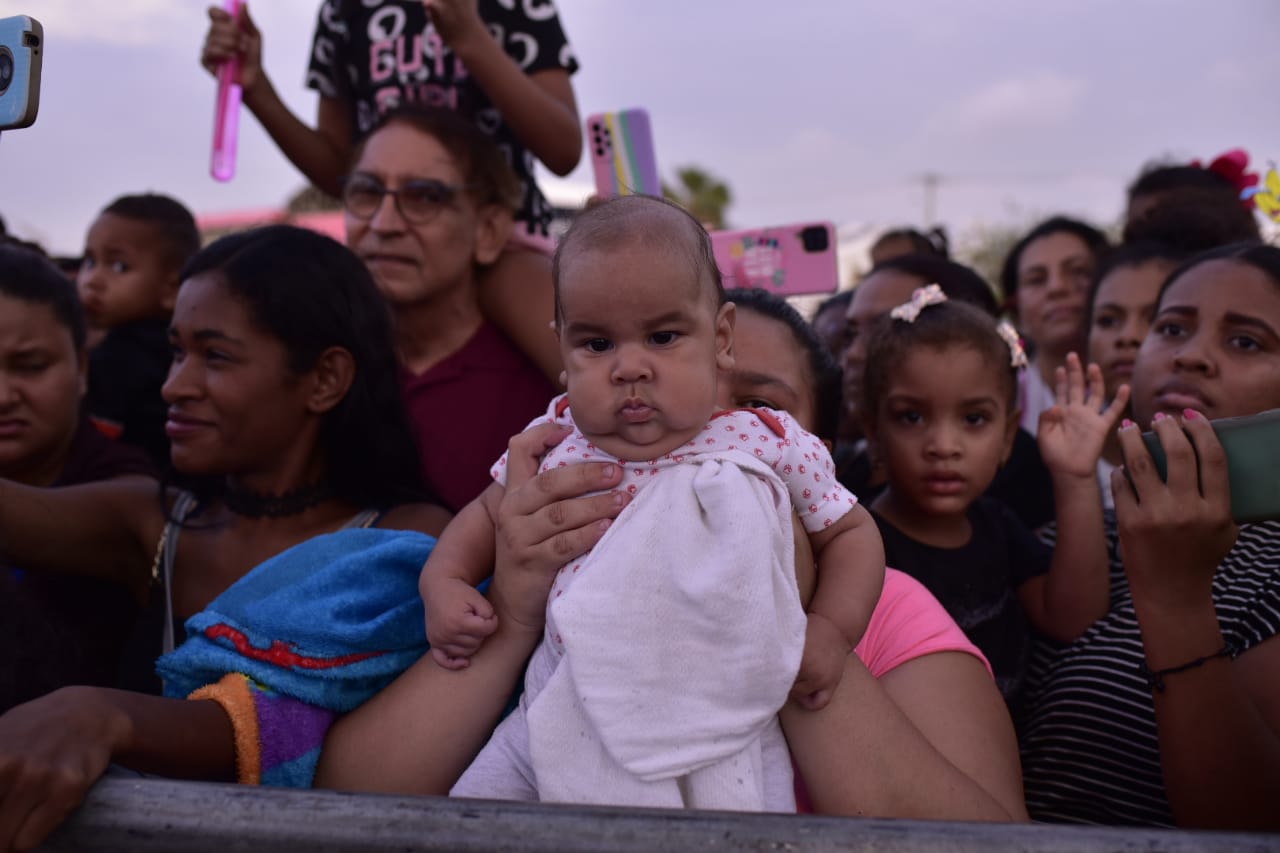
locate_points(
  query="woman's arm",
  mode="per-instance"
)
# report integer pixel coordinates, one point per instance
(930, 740)
(540, 107)
(53, 750)
(1219, 721)
(424, 518)
(108, 529)
(419, 734)
(517, 296)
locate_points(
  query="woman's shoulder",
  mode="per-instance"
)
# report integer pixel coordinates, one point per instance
(422, 517)
(1246, 587)
(1257, 548)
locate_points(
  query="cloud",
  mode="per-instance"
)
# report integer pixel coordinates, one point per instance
(1231, 73)
(813, 144)
(120, 22)
(1042, 100)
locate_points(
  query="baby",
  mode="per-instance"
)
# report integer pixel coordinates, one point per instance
(644, 331)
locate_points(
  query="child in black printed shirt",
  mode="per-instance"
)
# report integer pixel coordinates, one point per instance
(503, 65)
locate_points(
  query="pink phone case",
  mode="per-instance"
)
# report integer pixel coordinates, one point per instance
(788, 260)
(621, 147)
(226, 117)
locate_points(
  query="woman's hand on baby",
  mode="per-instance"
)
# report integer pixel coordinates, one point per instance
(822, 665)
(543, 522)
(52, 750)
(1175, 533)
(1072, 433)
(231, 38)
(459, 619)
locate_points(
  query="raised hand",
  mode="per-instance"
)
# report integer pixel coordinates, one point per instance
(455, 20)
(1072, 433)
(229, 38)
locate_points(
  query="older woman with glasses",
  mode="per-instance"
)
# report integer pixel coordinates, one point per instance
(448, 214)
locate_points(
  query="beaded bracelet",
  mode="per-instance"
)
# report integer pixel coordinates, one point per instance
(1155, 678)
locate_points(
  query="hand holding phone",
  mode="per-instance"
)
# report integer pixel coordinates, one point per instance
(621, 145)
(226, 117)
(1252, 446)
(21, 47)
(788, 260)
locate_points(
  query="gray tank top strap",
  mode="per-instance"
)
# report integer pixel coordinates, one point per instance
(364, 518)
(167, 550)
(166, 553)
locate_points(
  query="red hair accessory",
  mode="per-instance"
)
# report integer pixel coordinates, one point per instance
(1232, 166)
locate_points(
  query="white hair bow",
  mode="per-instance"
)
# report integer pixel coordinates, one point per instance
(1017, 353)
(922, 298)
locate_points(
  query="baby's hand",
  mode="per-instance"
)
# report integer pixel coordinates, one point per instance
(458, 620)
(822, 665)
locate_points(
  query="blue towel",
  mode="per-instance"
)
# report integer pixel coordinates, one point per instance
(329, 622)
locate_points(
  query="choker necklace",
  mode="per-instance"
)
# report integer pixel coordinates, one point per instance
(258, 505)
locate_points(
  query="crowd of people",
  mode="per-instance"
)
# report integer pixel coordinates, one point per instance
(286, 511)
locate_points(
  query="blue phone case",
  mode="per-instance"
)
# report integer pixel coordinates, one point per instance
(21, 46)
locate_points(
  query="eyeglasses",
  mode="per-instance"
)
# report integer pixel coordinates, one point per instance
(419, 200)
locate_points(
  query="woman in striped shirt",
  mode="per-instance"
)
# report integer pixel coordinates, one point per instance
(1167, 710)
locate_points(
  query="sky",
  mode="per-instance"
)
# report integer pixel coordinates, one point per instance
(808, 110)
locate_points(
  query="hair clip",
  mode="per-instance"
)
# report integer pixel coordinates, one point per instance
(1017, 353)
(921, 299)
(1266, 197)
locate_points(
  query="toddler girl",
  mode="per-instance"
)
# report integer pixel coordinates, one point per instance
(939, 408)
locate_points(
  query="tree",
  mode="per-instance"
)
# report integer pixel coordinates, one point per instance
(984, 247)
(702, 194)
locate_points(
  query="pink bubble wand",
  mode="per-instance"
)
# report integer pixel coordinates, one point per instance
(226, 117)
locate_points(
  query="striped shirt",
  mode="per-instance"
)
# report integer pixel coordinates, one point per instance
(1090, 752)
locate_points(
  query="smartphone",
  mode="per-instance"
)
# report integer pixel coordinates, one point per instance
(21, 46)
(621, 146)
(1252, 445)
(789, 260)
(226, 114)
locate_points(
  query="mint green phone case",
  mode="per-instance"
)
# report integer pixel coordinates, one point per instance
(1252, 445)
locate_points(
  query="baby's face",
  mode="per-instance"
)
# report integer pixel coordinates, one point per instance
(642, 341)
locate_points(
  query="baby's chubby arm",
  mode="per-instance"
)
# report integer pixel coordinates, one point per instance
(459, 618)
(850, 557)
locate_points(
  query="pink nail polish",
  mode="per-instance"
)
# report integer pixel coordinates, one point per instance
(1190, 414)
(1159, 416)
(1126, 424)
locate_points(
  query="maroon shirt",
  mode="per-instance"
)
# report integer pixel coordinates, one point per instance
(57, 630)
(465, 409)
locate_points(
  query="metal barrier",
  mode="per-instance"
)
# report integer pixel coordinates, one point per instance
(140, 815)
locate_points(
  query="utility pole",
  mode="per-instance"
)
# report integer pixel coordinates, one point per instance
(930, 181)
